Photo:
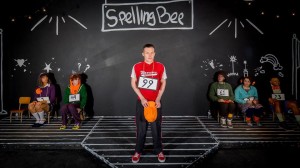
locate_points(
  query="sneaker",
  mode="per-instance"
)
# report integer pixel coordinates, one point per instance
(36, 125)
(249, 123)
(258, 124)
(136, 157)
(76, 127)
(62, 127)
(229, 123)
(223, 122)
(161, 157)
(284, 126)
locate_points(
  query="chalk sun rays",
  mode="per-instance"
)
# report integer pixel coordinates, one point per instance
(235, 26)
(57, 22)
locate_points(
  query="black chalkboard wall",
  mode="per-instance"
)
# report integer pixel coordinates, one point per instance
(194, 39)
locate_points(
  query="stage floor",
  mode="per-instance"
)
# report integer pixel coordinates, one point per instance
(186, 139)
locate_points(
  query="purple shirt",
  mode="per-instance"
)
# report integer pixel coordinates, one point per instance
(47, 91)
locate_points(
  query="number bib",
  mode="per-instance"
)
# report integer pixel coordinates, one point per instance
(74, 97)
(43, 99)
(222, 92)
(147, 83)
(278, 96)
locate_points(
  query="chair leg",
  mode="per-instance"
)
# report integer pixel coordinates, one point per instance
(21, 115)
(49, 117)
(10, 116)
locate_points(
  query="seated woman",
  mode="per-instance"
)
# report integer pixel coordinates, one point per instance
(221, 94)
(247, 98)
(75, 99)
(43, 100)
(280, 102)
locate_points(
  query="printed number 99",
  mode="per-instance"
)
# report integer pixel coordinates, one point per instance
(145, 81)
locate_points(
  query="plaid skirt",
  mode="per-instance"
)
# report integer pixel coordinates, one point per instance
(246, 106)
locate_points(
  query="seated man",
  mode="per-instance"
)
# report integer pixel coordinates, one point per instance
(280, 102)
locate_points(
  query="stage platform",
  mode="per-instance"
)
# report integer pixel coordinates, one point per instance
(186, 139)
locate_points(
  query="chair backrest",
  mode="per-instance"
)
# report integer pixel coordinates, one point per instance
(24, 100)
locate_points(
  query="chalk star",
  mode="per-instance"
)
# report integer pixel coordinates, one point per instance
(47, 68)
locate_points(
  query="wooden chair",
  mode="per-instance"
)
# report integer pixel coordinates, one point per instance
(22, 101)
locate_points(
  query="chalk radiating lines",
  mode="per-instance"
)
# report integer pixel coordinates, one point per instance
(56, 25)
(236, 26)
(255, 27)
(218, 27)
(40, 21)
(57, 22)
(77, 21)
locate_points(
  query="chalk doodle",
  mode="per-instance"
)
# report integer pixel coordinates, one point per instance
(22, 64)
(259, 70)
(295, 64)
(147, 15)
(47, 67)
(211, 64)
(245, 71)
(270, 58)
(233, 60)
(57, 22)
(79, 64)
(235, 26)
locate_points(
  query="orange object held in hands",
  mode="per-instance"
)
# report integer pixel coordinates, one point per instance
(150, 112)
(38, 91)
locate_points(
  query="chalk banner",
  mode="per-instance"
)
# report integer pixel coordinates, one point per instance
(147, 16)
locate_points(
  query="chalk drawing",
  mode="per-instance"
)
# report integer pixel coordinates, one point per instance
(21, 64)
(79, 64)
(2, 112)
(270, 58)
(47, 67)
(148, 15)
(232, 60)
(245, 71)
(57, 22)
(259, 70)
(295, 64)
(236, 26)
(87, 67)
(211, 64)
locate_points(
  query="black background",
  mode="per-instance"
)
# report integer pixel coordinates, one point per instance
(111, 55)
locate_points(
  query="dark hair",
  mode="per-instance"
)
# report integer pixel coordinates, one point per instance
(248, 77)
(148, 46)
(219, 73)
(39, 81)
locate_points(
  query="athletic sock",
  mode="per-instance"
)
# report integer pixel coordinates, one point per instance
(36, 116)
(42, 118)
(280, 117)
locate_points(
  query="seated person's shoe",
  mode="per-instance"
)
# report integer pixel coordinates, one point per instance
(136, 157)
(249, 123)
(223, 122)
(259, 124)
(76, 127)
(62, 127)
(229, 123)
(36, 125)
(161, 157)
